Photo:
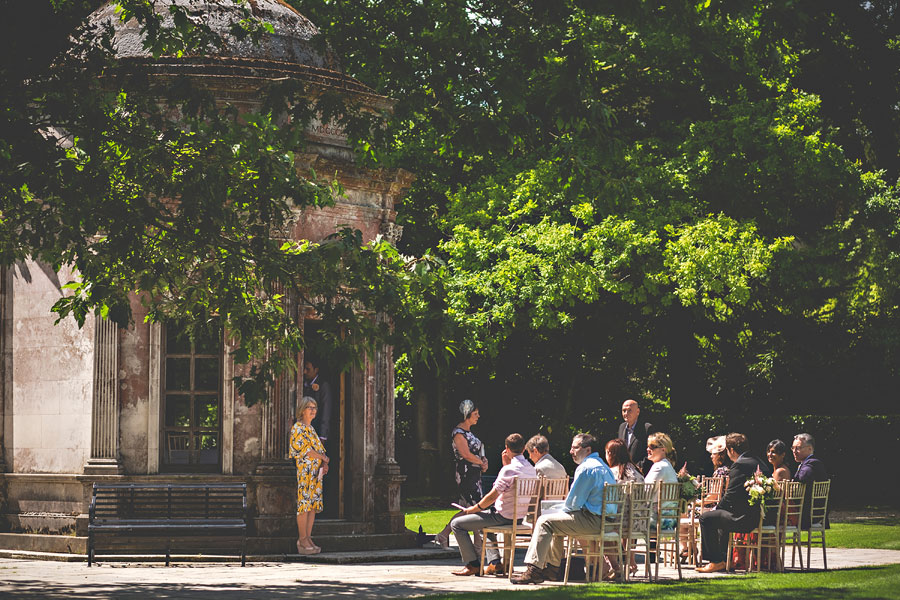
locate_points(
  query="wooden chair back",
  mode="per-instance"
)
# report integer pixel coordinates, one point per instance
(792, 510)
(819, 502)
(712, 489)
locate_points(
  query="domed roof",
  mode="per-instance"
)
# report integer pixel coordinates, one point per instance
(290, 41)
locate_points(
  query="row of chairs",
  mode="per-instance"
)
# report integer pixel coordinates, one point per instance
(518, 534)
(772, 534)
(638, 518)
(643, 518)
(634, 522)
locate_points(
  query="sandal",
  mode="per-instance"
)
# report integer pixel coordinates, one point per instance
(304, 550)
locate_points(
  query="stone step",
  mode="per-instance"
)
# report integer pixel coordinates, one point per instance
(333, 543)
(395, 555)
(40, 542)
(338, 558)
(281, 545)
(340, 527)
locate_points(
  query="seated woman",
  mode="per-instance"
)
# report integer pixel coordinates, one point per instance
(721, 464)
(661, 453)
(776, 453)
(619, 461)
(719, 457)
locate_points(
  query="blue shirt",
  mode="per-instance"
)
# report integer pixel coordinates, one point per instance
(587, 487)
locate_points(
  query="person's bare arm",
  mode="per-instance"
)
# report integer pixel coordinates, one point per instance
(459, 440)
(484, 503)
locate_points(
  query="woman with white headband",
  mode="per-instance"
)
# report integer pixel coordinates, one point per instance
(469, 462)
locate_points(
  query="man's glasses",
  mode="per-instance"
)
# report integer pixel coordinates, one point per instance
(653, 447)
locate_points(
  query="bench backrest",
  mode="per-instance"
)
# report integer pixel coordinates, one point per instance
(168, 502)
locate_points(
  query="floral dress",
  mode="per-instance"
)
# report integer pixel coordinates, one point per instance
(468, 476)
(309, 486)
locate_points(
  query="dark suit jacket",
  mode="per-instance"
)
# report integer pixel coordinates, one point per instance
(810, 470)
(322, 396)
(637, 449)
(736, 499)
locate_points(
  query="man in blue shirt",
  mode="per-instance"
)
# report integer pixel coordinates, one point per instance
(581, 514)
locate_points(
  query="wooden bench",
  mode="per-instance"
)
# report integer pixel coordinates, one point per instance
(167, 510)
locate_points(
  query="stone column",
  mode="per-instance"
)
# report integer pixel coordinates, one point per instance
(4, 362)
(277, 418)
(278, 415)
(388, 516)
(104, 458)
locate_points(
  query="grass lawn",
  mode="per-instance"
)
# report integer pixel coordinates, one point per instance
(870, 583)
(432, 520)
(865, 533)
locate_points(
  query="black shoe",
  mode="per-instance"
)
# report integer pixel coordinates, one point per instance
(531, 575)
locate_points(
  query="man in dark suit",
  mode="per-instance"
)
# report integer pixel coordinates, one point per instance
(809, 470)
(733, 512)
(634, 432)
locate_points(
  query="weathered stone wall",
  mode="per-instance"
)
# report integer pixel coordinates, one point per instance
(47, 420)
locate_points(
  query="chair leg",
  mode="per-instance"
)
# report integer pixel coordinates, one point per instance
(729, 551)
(824, 555)
(484, 543)
(678, 557)
(568, 560)
(809, 549)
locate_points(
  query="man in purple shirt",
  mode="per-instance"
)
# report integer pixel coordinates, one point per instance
(477, 517)
(809, 470)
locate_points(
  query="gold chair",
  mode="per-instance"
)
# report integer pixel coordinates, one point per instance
(766, 535)
(711, 491)
(553, 489)
(818, 509)
(593, 546)
(642, 498)
(791, 514)
(516, 534)
(666, 533)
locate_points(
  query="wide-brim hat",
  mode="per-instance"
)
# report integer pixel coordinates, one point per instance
(714, 445)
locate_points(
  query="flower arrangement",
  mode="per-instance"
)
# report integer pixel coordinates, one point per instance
(690, 487)
(760, 488)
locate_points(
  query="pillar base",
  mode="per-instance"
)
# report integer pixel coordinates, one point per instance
(388, 515)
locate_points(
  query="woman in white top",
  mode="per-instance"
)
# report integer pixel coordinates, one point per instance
(661, 452)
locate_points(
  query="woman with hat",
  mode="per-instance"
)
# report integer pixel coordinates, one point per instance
(469, 463)
(719, 457)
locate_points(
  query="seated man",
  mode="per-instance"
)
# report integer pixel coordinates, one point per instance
(733, 513)
(538, 449)
(581, 513)
(809, 470)
(477, 517)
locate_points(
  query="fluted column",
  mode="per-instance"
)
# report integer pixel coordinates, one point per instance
(105, 406)
(278, 411)
(278, 418)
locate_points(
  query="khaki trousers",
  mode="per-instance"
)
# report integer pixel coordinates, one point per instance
(546, 547)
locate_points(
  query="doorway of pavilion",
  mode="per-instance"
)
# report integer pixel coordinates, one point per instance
(325, 378)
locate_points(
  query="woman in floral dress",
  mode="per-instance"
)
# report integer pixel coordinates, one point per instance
(469, 463)
(312, 464)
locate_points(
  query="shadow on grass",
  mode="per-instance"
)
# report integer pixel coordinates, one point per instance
(866, 583)
(890, 521)
(871, 583)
